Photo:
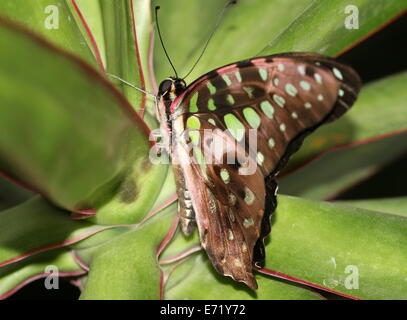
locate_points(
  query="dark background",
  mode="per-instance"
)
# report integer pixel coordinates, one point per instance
(383, 54)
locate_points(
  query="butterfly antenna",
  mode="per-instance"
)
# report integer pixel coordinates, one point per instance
(161, 40)
(218, 21)
(131, 85)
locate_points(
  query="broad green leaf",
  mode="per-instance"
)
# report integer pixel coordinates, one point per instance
(319, 242)
(396, 205)
(380, 110)
(179, 245)
(51, 19)
(71, 135)
(245, 29)
(13, 277)
(278, 26)
(135, 196)
(127, 267)
(127, 54)
(197, 272)
(92, 16)
(355, 251)
(36, 226)
(121, 54)
(334, 25)
(12, 194)
(338, 170)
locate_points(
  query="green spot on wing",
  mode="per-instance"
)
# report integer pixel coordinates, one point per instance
(267, 108)
(252, 117)
(193, 104)
(230, 99)
(193, 122)
(211, 105)
(234, 125)
(211, 88)
(227, 79)
(263, 74)
(194, 136)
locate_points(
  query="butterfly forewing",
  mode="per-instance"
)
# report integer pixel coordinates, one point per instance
(282, 98)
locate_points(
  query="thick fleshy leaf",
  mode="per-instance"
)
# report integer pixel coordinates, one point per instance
(88, 17)
(284, 25)
(197, 272)
(336, 171)
(334, 25)
(186, 31)
(396, 205)
(354, 251)
(127, 267)
(135, 196)
(11, 194)
(14, 277)
(121, 50)
(72, 137)
(330, 245)
(380, 110)
(36, 226)
(51, 19)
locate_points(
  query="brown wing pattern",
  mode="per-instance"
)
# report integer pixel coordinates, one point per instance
(284, 97)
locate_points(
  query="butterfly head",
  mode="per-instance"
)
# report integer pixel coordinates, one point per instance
(168, 91)
(171, 88)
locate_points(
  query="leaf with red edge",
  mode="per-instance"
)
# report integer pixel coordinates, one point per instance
(335, 172)
(326, 21)
(379, 112)
(88, 17)
(16, 276)
(197, 272)
(74, 141)
(353, 251)
(52, 20)
(127, 267)
(395, 205)
(37, 226)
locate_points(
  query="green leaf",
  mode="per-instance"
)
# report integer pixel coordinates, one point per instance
(185, 32)
(70, 135)
(135, 196)
(327, 243)
(197, 272)
(92, 16)
(127, 267)
(396, 205)
(51, 19)
(13, 277)
(338, 170)
(121, 54)
(380, 110)
(317, 242)
(36, 226)
(325, 21)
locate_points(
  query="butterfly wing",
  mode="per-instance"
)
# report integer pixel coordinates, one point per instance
(283, 98)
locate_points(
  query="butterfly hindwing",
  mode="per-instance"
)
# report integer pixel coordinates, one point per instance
(282, 98)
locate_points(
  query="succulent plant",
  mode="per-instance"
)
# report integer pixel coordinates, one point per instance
(86, 202)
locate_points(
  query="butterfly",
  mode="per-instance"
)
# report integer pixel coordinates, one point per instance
(283, 98)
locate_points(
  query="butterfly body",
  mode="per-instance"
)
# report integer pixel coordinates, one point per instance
(257, 113)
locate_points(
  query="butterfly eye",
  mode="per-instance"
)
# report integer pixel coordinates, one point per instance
(165, 86)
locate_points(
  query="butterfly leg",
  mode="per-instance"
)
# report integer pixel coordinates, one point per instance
(186, 211)
(259, 253)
